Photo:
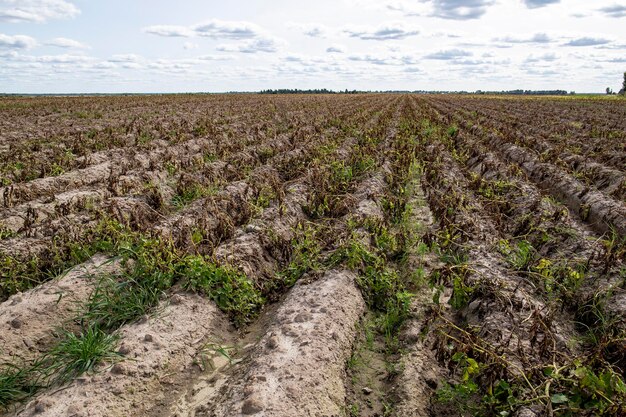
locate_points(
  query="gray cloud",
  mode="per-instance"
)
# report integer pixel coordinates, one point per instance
(448, 54)
(16, 42)
(337, 49)
(615, 11)
(536, 38)
(390, 31)
(535, 4)
(36, 11)
(618, 47)
(460, 9)
(587, 41)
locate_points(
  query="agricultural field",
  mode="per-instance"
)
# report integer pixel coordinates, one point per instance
(312, 255)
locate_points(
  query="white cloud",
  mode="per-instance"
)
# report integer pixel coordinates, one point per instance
(536, 38)
(105, 65)
(16, 42)
(215, 29)
(36, 11)
(252, 38)
(313, 30)
(448, 54)
(63, 59)
(215, 58)
(388, 31)
(219, 29)
(131, 65)
(190, 45)
(53, 59)
(169, 31)
(122, 58)
(66, 43)
(548, 57)
(253, 46)
(384, 59)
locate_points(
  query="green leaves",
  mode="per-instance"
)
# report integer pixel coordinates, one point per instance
(16, 384)
(77, 354)
(231, 290)
(558, 398)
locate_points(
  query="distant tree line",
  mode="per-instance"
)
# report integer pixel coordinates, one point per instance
(327, 91)
(528, 92)
(310, 91)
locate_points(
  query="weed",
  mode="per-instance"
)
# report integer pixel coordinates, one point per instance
(114, 303)
(16, 384)
(396, 312)
(461, 292)
(191, 193)
(521, 257)
(384, 240)
(171, 168)
(231, 290)
(614, 249)
(56, 170)
(306, 250)
(77, 354)
(144, 138)
(209, 350)
(5, 232)
(209, 157)
(558, 278)
(452, 131)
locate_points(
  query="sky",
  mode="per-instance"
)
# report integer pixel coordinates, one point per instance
(142, 46)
